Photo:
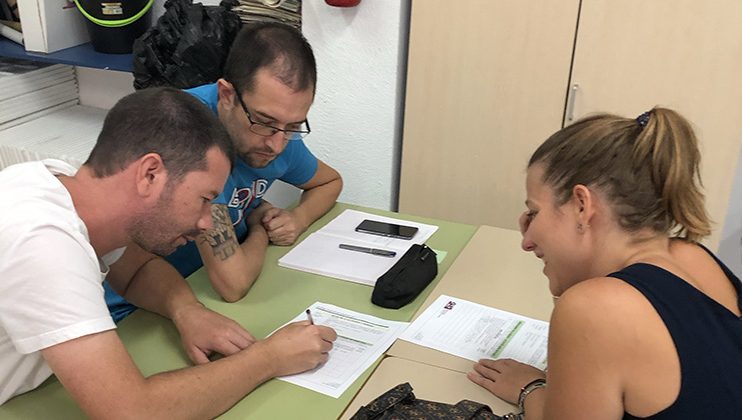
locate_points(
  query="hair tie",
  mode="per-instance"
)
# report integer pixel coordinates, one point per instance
(643, 119)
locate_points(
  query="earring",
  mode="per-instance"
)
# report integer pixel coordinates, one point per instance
(580, 228)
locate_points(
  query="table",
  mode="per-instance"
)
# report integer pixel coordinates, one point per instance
(277, 296)
(491, 270)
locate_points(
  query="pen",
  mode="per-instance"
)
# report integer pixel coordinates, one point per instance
(373, 251)
(309, 317)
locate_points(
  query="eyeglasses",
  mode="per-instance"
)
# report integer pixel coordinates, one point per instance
(292, 131)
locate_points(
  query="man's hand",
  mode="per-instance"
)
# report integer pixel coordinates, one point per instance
(256, 215)
(298, 347)
(283, 226)
(504, 377)
(204, 331)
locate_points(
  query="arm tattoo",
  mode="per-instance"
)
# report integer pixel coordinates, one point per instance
(221, 238)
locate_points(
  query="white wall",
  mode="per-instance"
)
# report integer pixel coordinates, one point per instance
(356, 119)
(730, 246)
(357, 115)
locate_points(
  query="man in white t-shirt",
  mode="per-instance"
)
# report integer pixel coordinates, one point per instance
(146, 188)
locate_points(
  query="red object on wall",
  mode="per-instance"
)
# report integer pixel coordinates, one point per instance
(343, 3)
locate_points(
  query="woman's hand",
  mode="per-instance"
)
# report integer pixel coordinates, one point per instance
(504, 377)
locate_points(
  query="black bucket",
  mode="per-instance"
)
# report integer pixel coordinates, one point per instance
(113, 25)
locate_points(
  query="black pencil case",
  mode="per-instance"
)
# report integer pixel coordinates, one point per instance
(405, 280)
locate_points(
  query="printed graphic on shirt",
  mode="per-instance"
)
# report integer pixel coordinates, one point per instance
(242, 198)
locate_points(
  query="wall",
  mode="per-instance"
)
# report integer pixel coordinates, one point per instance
(356, 119)
(730, 246)
(357, 116)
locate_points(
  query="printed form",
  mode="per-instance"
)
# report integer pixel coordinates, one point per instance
(473, 331)
(361, 340)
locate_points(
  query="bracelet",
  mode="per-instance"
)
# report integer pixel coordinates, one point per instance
(527, 389)
(513, 416)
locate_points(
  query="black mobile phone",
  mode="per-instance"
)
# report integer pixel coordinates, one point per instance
(386, 229)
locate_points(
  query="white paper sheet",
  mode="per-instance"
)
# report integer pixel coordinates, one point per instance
(361, 340)
(475, 331)
(319, 252)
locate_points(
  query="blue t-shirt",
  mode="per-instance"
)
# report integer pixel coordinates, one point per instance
(242, 192)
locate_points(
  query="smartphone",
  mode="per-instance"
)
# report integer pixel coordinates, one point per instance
(386, 229)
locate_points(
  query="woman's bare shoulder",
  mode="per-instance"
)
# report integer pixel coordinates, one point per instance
(604, 307)
(599, 293)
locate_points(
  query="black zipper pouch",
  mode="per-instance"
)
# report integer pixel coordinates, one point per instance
(408, 277)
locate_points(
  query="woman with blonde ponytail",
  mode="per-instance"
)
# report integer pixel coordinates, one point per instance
(647, 324)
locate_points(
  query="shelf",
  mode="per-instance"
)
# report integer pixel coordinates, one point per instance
(81, 55)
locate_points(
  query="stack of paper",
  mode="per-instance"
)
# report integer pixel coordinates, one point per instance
(68, 134)
(28, 87)
(39, 114)
(320, 252)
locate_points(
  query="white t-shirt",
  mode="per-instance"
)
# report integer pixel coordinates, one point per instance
(50, 276)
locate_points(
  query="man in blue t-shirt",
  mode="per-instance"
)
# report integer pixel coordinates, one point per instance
(262, 100)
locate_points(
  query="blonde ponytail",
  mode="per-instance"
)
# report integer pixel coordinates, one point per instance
(647, 167)
(669, 144)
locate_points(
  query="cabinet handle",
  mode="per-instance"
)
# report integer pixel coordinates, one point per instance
(571, 102)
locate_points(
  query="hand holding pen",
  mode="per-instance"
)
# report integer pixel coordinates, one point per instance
(297, 347)
(309, 317)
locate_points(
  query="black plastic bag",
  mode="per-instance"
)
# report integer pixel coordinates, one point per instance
(188, 45)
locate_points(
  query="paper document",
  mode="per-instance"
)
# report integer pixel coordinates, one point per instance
(361, 340)
(320, 252)
(475, 331)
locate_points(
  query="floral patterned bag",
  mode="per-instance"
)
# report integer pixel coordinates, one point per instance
(399, 403)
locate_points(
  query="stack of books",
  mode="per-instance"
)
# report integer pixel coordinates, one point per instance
(40, 116)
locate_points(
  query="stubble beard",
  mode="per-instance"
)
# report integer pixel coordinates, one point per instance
(150, 230)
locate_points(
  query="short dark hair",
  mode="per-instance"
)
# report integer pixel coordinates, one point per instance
(160, 120)
(274, 45)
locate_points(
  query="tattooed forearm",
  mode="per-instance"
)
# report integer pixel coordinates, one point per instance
(221, 238)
